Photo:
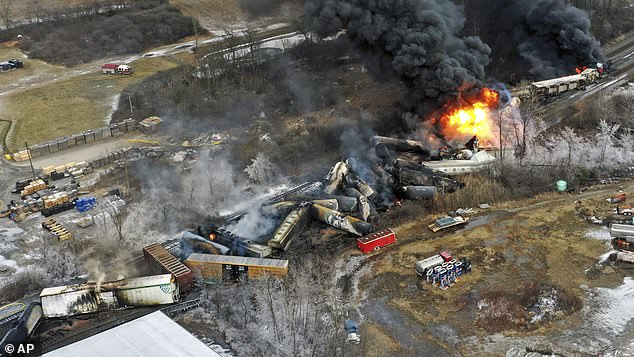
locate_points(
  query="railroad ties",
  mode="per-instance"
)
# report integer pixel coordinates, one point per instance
(57, 229)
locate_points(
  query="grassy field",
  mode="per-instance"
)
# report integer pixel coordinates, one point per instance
(32, 72)
(517, 251)
(212, 13)
(71, 105)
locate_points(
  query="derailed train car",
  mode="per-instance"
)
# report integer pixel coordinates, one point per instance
(159, 260)
(226, 267)
(559, 85)
(91, 297)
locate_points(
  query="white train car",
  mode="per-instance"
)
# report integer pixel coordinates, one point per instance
(68, 300)
(147, 290)
(563, 84)
(89, 298)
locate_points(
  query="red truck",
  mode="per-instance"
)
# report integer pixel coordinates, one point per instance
(377, 240)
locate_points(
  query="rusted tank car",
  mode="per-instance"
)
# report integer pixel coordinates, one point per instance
(290, 227)
(159, 260)
(211, 266)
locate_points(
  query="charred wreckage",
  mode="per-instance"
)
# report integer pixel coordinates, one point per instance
(350, 196)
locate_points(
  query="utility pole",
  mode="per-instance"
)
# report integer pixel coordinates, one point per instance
(195, 34)
(130, 101)
(30, 160)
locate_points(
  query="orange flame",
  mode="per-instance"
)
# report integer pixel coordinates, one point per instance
(471, 116)
(581, 69)
(212, 236)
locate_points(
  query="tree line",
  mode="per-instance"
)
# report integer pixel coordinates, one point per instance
(95, 29)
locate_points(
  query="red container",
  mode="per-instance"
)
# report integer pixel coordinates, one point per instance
(159, 260)
(445, 256)
(376, 240)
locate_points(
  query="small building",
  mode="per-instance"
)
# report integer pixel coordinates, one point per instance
(210, 266)
(114, 68)
(377, 240)
(109, 68)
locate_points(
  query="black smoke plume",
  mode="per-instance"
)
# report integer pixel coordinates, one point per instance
(419, 40)
(537, 39)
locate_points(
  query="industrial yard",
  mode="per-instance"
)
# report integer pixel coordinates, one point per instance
(271, 178)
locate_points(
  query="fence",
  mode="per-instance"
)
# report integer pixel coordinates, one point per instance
(74, 140)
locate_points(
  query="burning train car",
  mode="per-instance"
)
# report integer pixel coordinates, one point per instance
(92, 297)
(230, 243)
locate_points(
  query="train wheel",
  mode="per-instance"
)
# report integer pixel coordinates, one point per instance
(377, 248)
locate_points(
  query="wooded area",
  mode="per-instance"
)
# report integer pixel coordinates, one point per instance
(96, 29)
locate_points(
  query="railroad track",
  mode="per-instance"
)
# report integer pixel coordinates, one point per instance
(10, 318)
(182, 306)
(304, 188)
(14, 310)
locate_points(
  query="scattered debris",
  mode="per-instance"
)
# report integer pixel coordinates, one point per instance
(84, 222)
(353, 331)
(442, 270)
(150, 125)
(617, 199)
(447, 222)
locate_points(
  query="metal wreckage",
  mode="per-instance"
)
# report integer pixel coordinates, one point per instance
(349, 198)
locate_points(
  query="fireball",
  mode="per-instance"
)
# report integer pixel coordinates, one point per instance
(470, 116)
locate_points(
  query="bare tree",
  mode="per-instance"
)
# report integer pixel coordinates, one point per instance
(6, 12)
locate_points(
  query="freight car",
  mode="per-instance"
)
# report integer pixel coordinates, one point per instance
(290, 227)
(559, 85)
(210, 266)
(159, 260)
(236, 245)
(89, 298)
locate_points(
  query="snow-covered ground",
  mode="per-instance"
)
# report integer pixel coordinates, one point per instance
(614, 308)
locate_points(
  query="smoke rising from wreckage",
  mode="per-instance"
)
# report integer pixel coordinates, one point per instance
(450, 118)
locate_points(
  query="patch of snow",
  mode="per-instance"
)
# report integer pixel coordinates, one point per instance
(546, 304)
(602, 233)
(276, 26)
(615, 307)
